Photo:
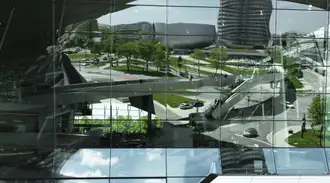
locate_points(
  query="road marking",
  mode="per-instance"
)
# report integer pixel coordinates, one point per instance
(229, 125)
(238, 135)
(312, 80)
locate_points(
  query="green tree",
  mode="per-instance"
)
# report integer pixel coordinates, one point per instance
(127, 50)
(79, 41)
(160, 55)
(97, 48)
(199, 55)
(146, 49)
(218, 57)
(89, 43)
(316, 111)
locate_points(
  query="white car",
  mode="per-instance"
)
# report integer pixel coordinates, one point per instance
(184, 106)
(289, 105)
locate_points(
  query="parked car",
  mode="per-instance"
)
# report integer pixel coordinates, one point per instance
(250, 133)
(289, 105)
(198, 104)
(185, 106)
(85, 64)
(96, 60)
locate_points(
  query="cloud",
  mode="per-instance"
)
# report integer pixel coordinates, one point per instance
(93, 158)
(96, 173)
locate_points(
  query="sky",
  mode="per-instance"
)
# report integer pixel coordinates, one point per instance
(206, 12)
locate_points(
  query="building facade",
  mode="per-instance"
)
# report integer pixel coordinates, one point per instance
(185, 35)
(243, 22)
(175, 35)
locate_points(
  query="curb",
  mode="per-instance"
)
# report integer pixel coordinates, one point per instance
(270, 136)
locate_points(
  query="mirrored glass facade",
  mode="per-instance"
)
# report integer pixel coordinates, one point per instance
(165, 91)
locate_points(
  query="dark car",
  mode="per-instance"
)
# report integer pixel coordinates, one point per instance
(258, 47)
(96, 60)
(198, 104)
(250, 133)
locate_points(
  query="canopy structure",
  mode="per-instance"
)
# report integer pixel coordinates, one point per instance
(323, 4)
(28, 27)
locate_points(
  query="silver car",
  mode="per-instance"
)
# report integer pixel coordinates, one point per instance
(250, 133)
(184, 106)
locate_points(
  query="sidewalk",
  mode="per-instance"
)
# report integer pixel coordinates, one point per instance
(278, 139)
(187, 57)
(208, 69)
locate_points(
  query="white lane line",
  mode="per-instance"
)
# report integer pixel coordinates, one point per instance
(229, 125)
(312, 80)
(238, 135)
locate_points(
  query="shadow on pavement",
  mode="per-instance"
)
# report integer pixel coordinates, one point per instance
(272, 106)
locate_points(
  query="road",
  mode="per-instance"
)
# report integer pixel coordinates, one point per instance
(274, 115)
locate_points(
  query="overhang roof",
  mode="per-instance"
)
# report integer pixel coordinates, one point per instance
(323, 4)
(33, 23)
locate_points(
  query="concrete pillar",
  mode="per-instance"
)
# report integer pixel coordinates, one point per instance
(151, 142)
(70, 122)
(150, 123)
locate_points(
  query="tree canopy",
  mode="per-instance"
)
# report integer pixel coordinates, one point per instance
(316, 111)
(146, 49)
(127, 50)
(199, 54)
(218, 56)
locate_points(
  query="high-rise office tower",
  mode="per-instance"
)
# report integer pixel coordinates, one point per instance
(244, 22)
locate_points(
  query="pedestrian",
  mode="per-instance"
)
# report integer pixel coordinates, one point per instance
(140, 81)
(191, 77)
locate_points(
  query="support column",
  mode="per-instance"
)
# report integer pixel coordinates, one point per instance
(150, 123)
(70, 122)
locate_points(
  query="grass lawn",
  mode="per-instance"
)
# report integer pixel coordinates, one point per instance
(310, 139)
(174, 64)
(75, 57)
(139, 70)
(185, 92)
(171, 99)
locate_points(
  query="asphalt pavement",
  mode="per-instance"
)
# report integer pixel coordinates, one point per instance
(275, 115)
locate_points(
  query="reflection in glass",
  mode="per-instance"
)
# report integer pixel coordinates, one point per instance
(300, 161)
(154, 93)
